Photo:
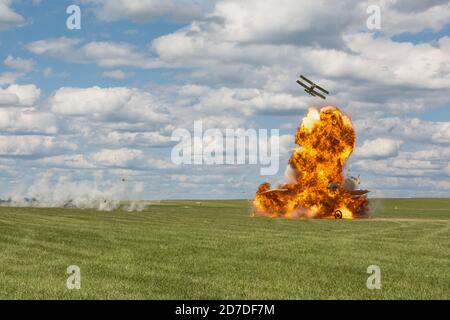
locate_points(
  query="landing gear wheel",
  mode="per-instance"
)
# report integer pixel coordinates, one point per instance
(338, 214)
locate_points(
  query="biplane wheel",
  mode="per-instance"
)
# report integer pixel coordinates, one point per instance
(338, 214)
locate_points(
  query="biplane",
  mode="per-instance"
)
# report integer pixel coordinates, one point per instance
(310, 87)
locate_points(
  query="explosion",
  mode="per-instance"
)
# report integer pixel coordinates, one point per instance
(317, 187)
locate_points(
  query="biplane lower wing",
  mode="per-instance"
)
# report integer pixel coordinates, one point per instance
(303, 85)
(314, 93)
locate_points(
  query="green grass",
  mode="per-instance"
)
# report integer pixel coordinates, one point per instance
(215, 250)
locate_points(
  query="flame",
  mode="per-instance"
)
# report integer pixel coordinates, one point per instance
(317, 188)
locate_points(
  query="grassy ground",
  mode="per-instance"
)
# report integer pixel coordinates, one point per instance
(187, 250)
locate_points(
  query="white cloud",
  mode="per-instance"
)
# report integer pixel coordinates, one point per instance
(147, 10)
(116, 157)
(399, 166)
(447, 169)
(9, 18)
(414, 15)
(24, 65)
(77, 101)
(15, 120)
(103, 53)
(228, 101)
(9, 77)
(129, 158)
(417, 65)
(109, 104)
(111, 55)
(25, 145)
(379, 148)
(408, 129)
(131, 138)
(19, 95)
(264, 46)
(77, 161)
(55, 47)
(424, 161)
(117, 74)
(392, 186)
(281, 21)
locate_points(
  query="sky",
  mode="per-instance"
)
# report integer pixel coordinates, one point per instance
(100, 104)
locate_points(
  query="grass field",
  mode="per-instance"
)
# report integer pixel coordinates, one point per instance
(215, 250)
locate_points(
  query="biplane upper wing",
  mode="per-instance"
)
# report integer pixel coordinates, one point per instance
(306, 79)
(322, 89)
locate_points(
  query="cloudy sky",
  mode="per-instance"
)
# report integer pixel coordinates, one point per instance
(101, 103)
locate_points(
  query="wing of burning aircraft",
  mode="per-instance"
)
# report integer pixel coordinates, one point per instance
(359, 192)
(274, 190)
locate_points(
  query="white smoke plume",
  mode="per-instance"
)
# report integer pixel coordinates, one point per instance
(64, 193)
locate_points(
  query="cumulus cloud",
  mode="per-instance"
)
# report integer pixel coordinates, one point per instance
(78, 101)
(117, 74)
(24, 65)
(103, 53)
(78, 161)
(233, 103)
(134, 138)
(8, 17)
(285, 21)
(30, 145)
(400, 64)
(408, 129)
(399, 166)
(414, 15)
(19, 95)
(113, 104)
(116, 157)
(15, 120)
(54, 47)
(130, 158)
(447, 169)
(147, 10)
(248, 66)
(379, 148)
(9, 77)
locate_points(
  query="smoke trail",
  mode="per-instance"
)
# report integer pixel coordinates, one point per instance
(64, 193)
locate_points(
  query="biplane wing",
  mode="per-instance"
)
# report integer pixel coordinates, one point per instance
(274, 190)
(311, 88)
(322, 89)
(303, 85)
(317, 94)
(306, 79)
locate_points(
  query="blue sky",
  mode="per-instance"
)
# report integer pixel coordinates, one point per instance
(100, 103)
(48, 20)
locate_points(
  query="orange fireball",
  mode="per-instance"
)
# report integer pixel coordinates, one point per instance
(317, 187)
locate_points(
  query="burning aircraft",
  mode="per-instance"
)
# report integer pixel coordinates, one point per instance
(317, 187)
